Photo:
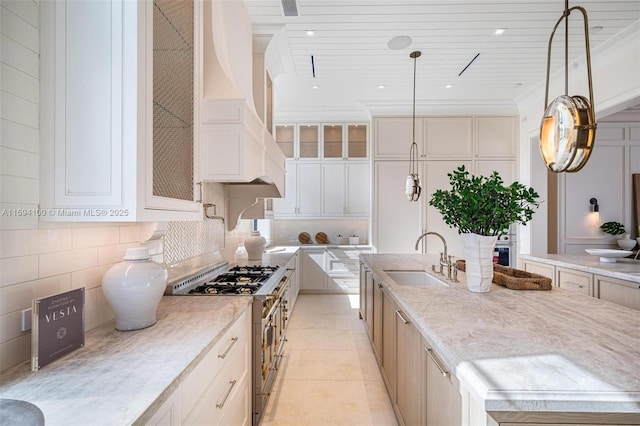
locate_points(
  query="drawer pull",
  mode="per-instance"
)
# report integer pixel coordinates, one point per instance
(399, 314)
(234, 340)
(220, 405)
(576, 284)
(443, 371)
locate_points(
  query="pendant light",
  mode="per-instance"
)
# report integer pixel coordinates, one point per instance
(412, 186)
(568, 128)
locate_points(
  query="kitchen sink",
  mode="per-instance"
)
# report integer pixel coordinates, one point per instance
(414, 278)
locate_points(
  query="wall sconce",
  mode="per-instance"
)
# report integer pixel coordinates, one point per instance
(595, 212)
(568, 128)
(412, 186)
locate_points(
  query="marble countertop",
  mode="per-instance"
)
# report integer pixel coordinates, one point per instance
(121, 378)
(624, 269)
(552, 351)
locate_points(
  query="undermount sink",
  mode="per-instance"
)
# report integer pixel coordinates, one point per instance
(414, 278)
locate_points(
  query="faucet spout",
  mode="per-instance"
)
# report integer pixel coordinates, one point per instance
(437, 235)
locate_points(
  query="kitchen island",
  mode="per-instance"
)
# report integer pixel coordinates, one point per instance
(519, 356)
(122, 378)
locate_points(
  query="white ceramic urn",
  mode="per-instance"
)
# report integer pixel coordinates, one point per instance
(255, 245)
(134, 288)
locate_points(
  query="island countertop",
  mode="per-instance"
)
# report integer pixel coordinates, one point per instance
(536, 351)
(624, 269)
(121, 378)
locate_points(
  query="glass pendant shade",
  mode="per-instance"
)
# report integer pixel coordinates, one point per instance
(568, 127)
(567, 133)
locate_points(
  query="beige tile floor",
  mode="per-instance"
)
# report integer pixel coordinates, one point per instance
(328, 374)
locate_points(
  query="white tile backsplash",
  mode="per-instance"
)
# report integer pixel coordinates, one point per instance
(95, 237)
(18, 269)
(62, 262)
(15, 162)
(14, 135)
(34, 241)
(19, 296)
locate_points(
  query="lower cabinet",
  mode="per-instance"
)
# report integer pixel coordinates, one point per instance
(539, 268)
(409, 367)
(444, 401)
(218, 390)
(575, 281)
(331, 269)
(313, 277)
(622, 292)
(421, 387)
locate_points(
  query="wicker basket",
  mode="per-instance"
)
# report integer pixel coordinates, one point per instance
(515, 279)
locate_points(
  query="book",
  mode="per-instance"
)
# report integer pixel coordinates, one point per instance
(58, 326)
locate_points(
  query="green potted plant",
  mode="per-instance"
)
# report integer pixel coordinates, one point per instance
(481, 208)
(613, 229)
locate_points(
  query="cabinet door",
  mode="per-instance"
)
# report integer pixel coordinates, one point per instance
(332, 141)
(397, 221)
(409, 397)
(505, 168)
(434, 178)
(356, 144)
(369, 290)
(377, 320)
(313, 276)
(444, 402)
(447, 137)
(287, 206)
(308, 141)
(622, 292)
(393, 136)
(389, 343)
(333, 189)
(496, 136)
(169, 412)
(543, 269)
(285, 138)
(575, 281)
(309, 185)
(358, 193)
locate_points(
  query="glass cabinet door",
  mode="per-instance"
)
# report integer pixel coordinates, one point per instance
(332, 141)
(285, 139)
(309, 141)
(357, 141)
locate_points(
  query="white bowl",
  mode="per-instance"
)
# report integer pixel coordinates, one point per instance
(626, 243)
(608, 255)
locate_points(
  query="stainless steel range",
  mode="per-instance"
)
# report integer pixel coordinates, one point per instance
(269, 287)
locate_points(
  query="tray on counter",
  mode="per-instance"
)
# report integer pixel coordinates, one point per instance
(515, 279)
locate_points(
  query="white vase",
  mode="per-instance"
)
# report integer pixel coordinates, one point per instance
(255, 245)
(134, 288)
(478, 256)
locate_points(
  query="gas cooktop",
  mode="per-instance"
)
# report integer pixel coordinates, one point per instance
(237, 280)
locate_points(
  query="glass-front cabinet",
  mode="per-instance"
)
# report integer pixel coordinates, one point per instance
(328, 141)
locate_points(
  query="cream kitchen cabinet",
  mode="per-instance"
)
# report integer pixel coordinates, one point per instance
(303, 183)
(117, 127)
(436, 137)
(344, 141)
(169, 412)
(299, 141)
(218, 390)
(575, 281)
(345, 189)
(331, 269)
(409, 400)
(443, 397)
(622, 292)
(496, 136)
(388, 342)
(544, 269)
(313, 275)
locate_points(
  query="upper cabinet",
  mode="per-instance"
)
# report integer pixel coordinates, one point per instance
(118, 89)
(469, 137)
(323, 141)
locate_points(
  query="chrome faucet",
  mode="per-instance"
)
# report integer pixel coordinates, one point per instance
(445, 259)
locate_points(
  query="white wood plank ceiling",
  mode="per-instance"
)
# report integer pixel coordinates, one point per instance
(351, 57)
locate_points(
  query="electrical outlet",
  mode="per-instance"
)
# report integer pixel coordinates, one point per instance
(26, 320)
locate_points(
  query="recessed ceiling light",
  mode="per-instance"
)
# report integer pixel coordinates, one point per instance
(499, 31)
(381, 86)
(315, 86)
(310, 33)
(399, 42)
(449, 86)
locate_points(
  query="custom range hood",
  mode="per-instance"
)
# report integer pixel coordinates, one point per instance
(235, 146)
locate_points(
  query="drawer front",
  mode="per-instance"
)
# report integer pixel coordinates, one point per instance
(622, 292)
(540, 269)
(575, 281)
(227, 350)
